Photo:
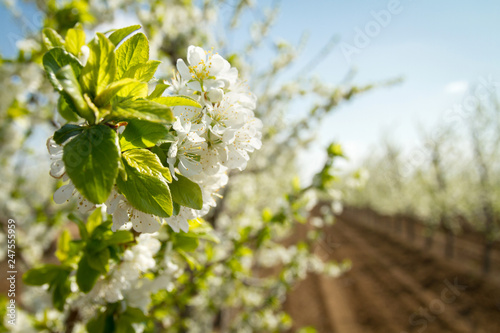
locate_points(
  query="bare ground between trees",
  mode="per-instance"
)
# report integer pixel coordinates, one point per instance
(394, 286)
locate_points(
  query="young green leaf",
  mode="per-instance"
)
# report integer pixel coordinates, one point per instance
(142, 134)
(147, 163)
(81, 226)
(66, 132)
(118, 35)
(128, 109)
(42, 275)
(119, 237)
(75, 39)
(63, 245)
(111, 90)
(134, 90)
(86, 276)
(65, 110)
(181, 242)
(61, 288)
(143, 72)
(94, 220)
(51, 38)
(70, 90)
(177, 100)
(134, 51)
(54, 60)
(100, 69)
(186, 192)
(99, 261)
(146, 187)
(159, 90)
(91, 160)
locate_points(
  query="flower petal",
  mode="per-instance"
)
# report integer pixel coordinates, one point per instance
(64, 193)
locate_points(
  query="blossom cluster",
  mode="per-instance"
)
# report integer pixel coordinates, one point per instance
(208, 141)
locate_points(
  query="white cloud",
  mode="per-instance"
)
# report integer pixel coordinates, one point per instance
(456, 87)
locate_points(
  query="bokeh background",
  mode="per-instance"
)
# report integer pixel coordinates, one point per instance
(408, 88)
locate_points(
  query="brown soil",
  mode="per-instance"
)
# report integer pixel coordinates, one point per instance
(394, 286)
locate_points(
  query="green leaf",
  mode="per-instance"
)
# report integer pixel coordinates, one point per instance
(94, 220)
(91, 160)
(66, 132)
(63, 245)
(159, 90)
(186, 192)
(54, 60)
(65, 110)
(61, 290)
(86, 276)
(132, 52)
(51, 38)
(110, 91)
(128, 109)
(124, 325)
(200, 229)
(147, 163)
(134, 90)
(142, 134)
(118, 35)
(184, 243)
(161, 154)
(103, 323)
(119, 237)
(42, 275)
(192, 262)
(100, 69)
(177, 100)
(135, 315)
(100, 233)
(143, 72)
(75, 39)
(176, 208)
(70, 90)
(146, 187)
(81, 226)
(99, 261)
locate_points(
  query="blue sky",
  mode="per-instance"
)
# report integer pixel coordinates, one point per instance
(440, 48)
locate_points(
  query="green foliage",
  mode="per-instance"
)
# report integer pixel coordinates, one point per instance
(146, 183)
(112, 91)
(143, 134)
(66, 132)
(140, 108)
(51, 38)
(177, 100)
(119, 35)
(100, 69)
(133, 52)
(56, 277)
(186, 192)
(91, 159)
(75, 39)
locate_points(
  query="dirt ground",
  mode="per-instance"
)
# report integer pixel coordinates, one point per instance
(394, 286)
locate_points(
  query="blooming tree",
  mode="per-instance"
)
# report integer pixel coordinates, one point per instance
(181, 188)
